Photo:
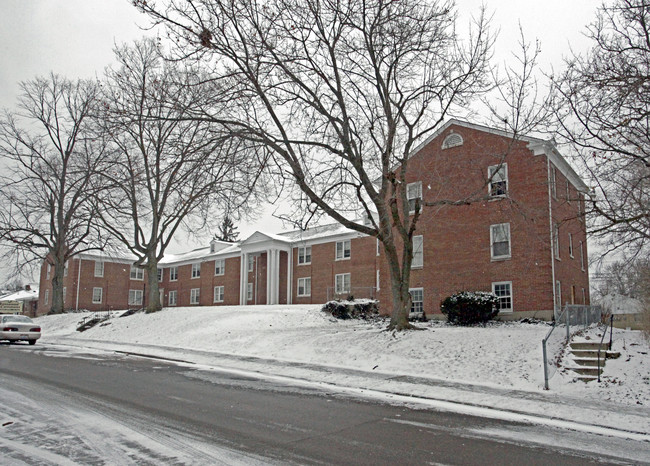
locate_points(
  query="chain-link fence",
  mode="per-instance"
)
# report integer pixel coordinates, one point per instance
(572, 319)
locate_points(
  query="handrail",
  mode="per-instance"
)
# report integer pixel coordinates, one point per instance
(609, 347)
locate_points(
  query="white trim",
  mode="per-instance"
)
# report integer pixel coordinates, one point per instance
(101, 295)
(101, 272)
(341, 290)
(304, 248)
(306, 289)
(135, 301)
(136, 273)
(497, 168)
(174, 302)
(420, 290)
(418, 195)
(343, 250)
(175, 269)
(222, 269)
(218, 293)
(420, 264)
(196, 270)
(195, 296)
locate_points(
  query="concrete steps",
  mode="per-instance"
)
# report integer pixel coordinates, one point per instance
(585, 358)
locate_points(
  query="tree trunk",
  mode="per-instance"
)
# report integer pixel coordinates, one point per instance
(153, 301)
(399, 286)
(57, 287)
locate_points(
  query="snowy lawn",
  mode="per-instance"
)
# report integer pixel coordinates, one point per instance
(502, 354)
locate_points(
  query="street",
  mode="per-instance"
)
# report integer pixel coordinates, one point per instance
(59, 406)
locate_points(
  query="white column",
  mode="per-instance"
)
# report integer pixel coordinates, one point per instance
(268, 276)
(243, 280)
(289, 274)
(276, 274)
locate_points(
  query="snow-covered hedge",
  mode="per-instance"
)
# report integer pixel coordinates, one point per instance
(353, 309)
(470, 307)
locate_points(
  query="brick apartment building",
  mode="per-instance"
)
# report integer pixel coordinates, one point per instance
(523, 237)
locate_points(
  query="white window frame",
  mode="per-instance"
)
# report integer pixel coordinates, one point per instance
(510, 296)
(413, 192)
(378, 282)
(582, 257)
(584, 296)
(249, 292)
(494, 177)
(219, 267)
(556, 240)
(172, 298)
(418, 252)
(161, 274)
(417, 305)
(251, 263)
(135, 297)
(378, 247)
(219, 292)
(65, 268)
(195, 295)
(304, 286)
(568, 198)
(571, 245)
(173, 274)
(558, 294)
(46, 298)
(196, 270)
(340, 280)
(343, 247)
(65, 292)
(48, 271)
(493, 238)
(553, 182)
(304, 252)
(99, 269)
(97, 290)
(136, 273)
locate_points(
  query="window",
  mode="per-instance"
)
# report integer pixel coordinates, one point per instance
(417, 300)
(500, 241)
(568, 197)
(220, 266)
(48, 271)
(218, 294)
(173, 274)
(304, 255)
(304, 286)
(171, 298)
(135, 297)
(196, 270)
(418, 253)
(556, 240)
(342, 250)
(377, 281)
(65, 269)
(249, 292)
(452, 140)
(498, 180)
(553, 183)
(503, 291)
(251, 262)
(160, 274)
(137, 273)
(570, 245)
(582, 258)
(65, 292)
(46, 298)
(558, 294)
(99, 269)
(195, 294)
(413, 193)
(378, 246)
(342, 283)
(584, 296)
(97, 295)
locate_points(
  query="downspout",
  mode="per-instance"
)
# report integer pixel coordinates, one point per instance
(76, 306)
(552, 236)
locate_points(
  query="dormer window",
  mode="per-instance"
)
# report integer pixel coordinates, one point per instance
(453, 140)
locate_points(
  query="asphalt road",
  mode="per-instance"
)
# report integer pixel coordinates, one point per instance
(105, 408)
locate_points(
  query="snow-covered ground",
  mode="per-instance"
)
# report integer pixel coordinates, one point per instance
(503, 355)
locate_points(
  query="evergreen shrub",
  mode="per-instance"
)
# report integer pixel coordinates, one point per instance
(470, 307)
(365, 309)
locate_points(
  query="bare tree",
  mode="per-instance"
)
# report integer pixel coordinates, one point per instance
(52, 156)
(603, 109)
(167, 170)
(341, 92)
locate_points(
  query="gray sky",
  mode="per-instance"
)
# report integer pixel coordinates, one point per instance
(75, 38)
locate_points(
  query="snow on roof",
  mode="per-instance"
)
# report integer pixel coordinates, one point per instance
(322, 231)
(22, 295)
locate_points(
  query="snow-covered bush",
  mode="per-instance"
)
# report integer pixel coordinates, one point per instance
(352, 309)
(470, 307)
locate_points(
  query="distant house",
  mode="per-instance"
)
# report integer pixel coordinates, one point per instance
(21, 302)
(627, 312)
(524, 240)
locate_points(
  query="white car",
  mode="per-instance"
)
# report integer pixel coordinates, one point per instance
(14, 327)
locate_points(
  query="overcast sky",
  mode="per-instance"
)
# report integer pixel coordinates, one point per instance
(75, 38)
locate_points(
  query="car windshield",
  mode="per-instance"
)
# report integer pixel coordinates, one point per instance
(16, 319)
